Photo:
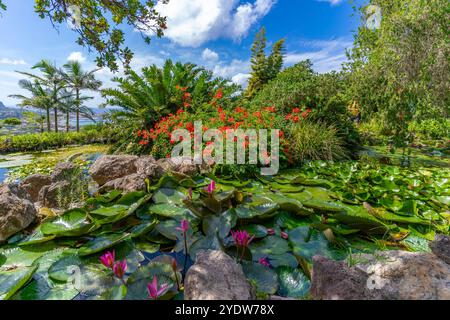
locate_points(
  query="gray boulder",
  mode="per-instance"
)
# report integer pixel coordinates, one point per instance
(51, 196)
(63, 171)
(131, 183)
(216, 276)
(148, 168)
(183, 165)
(108, 168)
(389, 275)
(33, 185)
(441, 247)
(17, 212)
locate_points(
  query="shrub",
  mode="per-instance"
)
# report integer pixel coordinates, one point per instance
(431, 128)
(12, 121)
(315, 141)
(48, 140)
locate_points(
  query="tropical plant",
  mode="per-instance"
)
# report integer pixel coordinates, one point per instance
(77, 79)
(53, 83)
(39, 99)
(145, 98)
(72, 104)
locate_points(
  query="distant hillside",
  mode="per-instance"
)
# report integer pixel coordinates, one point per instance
(9, 112)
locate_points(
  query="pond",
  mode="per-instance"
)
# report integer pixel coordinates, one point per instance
(19, 165)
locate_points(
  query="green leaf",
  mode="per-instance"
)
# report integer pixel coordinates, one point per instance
(11, 281)
(72, 223)
(293, 283)
(265, 278)
(168, 196)
(102, 243)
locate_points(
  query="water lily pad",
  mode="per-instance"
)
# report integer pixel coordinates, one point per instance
(307, 243)
(265, 278)
(143, 228)
(293, 283)
(168, 196)
(11, 281)
(72, 223)
(101, 243)
(110, 211)
(36, 237)
(272, 245)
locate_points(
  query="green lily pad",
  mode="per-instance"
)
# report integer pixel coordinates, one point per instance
(72, 223)
(101, 243)
(265, 278)
(143, 228)
(272, 245)
(293, 283)
(11, 281)
(168, 196)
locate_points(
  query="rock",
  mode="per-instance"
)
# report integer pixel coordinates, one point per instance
(131, 183)
(108, 168)
(388, 275)
(441, 247)
(16, 211)
(148, 168)
(33, 185)
(52, 195)
(183, 165)
(63, 171)
(216, 276)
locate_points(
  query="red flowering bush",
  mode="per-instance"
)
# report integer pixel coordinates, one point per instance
(217, 114)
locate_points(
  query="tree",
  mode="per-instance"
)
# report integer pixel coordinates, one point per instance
(400, 71)
(77, 79)
(52, 81)
(40, 98)
(34, 119)
(264, 68)
(144, 99)
(70, 103)
(97, 24)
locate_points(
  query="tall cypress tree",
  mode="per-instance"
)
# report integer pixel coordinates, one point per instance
(264, 68)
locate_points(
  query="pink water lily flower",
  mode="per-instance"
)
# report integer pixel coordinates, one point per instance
(211, 187)
(119, 268)
(153, 290)
(108, 259)
(264, 262)
(242, 238)
(270, 232)
(284, 235)
(184, 226)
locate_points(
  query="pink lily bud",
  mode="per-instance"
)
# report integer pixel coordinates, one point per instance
(270, 232)
(264, 262)
(153, 290)
(184, 226)
(284, 235)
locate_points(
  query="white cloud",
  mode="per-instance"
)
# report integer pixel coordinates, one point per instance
(238, 71)
(76, 56)
(241, 79)
(13, 62)
(328, 56)
(191, 23)
(210, 55)
(333, 2)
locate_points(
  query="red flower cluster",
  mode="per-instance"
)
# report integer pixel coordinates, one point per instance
(294, 115)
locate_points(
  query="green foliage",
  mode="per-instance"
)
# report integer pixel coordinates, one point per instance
(145, 98)
(431, 128)
(316, 141)
(97, 24)
(49, 140)
(401, 70)
(12, 121)
(264, 68)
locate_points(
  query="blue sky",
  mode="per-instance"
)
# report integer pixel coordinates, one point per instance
(216, 34)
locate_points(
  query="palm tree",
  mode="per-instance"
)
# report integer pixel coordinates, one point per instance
(143, 99)
(70, 103)
(78, 80)
(40, 98)
(52, 80)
